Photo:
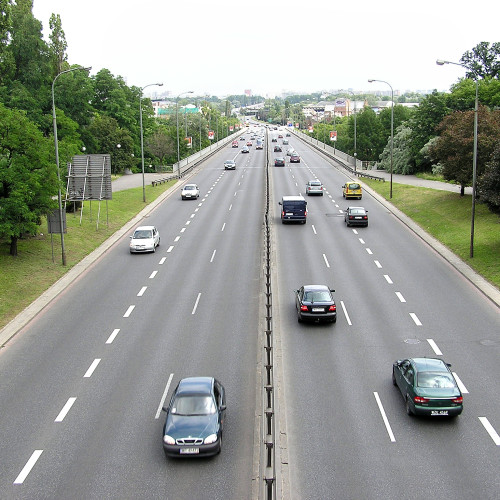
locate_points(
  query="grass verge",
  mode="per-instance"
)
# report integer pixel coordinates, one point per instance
(447, 216)
(27, 276)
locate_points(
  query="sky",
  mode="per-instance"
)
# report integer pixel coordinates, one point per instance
(223, 47)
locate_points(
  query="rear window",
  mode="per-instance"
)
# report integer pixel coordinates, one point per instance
(357, 211)
(353, 186)
(440, 380)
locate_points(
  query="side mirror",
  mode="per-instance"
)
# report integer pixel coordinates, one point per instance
(279, 203)
(332, 290)
(222, 407)
(131, 237)
(165, 408)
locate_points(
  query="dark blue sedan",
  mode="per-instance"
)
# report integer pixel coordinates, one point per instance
(195, 418)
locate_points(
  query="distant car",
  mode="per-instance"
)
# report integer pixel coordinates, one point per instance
(190, 192)
(274, 139)
(242, 138)
(290, 151)
(249, 143)
(294, 158)
(356, 216)
(245, 149)
(234, 144)
(285, 142)
(144, 239)
(279, 162)
(314, 187)
(428, 387)
(287, 134)
(195, 418)
(229, 165)
(315, 302)
(352, 190)
(280, 136)
(277, 149)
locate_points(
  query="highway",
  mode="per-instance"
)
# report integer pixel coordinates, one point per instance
(83, 384)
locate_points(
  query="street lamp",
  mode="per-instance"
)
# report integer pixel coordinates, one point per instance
(441, 62)
(59, 197)
(392, 123)
(142, 138)
(177, 120)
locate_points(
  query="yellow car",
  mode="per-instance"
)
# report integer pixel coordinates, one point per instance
(352, 190)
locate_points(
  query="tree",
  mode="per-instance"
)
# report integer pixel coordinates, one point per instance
(28, 177)
(489, 183)
(7, 65)
(58, 44)
(401, 163)
(162, 144)
(370, 136)
(482, 61)
(454, 147)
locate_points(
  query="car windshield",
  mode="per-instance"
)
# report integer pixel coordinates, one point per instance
(143, 234)
(317, 296)
(441, 380)
(193, 405)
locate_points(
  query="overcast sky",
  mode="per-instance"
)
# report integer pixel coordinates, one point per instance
(221, 47)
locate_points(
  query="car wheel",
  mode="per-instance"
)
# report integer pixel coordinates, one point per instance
(220, 444)
(299, 319)
(409, 411)
(154, 248)
(393, 378)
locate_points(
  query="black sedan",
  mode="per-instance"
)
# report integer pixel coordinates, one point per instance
(279, 162)
(428, 387)
(356, 216)
(195, 418)
(315, 303)
(277, 149)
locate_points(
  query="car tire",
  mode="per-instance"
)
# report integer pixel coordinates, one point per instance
(393, 378)
(299, 319)
(334, 320)
(409, 411)
(220, 445)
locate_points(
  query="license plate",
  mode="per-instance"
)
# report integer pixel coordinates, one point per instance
(289, 214)
(439, 412)
(357, 217)
(317, 309)
(189, 451)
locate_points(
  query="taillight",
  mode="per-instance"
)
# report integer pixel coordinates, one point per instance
(351, 217)
(458, 401)
(365, 217)
(420, 400)
(303, 308)
(332, 308)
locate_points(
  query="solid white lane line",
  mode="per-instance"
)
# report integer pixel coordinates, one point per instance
(176, 239)
(399, 295)
(65, 410)
(223, 226)
(153, 274)
(414, 317)
(112, 336)
(170, 248)
(92, 367)
(314, 229)
(165, 392)
(378, 264)
(388, 279)
(27, 468)
(213, 256)
(361, 240)
(326, 261)
(196, 303)
(384, 418)
(460, 384)
(162, 260)
(345, 312)
(490, 430)
(435, 348)
(369, 251)
(129, 311)
(141, 291)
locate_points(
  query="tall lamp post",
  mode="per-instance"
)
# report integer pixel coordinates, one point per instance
(441, 62)
(142, 137)
(392, 123)
(59, 197)
(177, 120)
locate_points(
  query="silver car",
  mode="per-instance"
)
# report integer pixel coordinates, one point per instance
(314, 187)
(190, 192)
(229, 165)
(144, 239)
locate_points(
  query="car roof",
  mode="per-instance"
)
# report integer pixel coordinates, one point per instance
(316, 182)
(293, 198)
(142, 228)
(311, 288)
(356, 208)
(195, 385)
(429, 364)
(190, 185)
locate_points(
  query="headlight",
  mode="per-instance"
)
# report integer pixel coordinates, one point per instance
(168, 440)
(210, 439)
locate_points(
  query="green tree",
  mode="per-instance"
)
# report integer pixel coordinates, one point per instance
(401, 163)
(28, 177)
(58, 44)
(370, 136)
(162, 144)
(489, 183)
(482, 61)
(454, 147)
(7, 65)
